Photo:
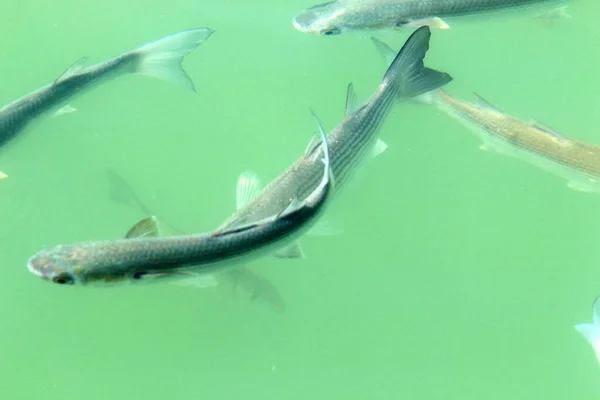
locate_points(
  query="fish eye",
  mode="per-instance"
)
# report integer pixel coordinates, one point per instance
(331, 32)
(138, 275)
(63, 279)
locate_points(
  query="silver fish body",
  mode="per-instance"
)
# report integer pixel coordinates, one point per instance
(141, 258)
(354, 139)
(161, 59)
(347, 15)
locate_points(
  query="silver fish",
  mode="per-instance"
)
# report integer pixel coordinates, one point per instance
(340, 16)
(140, 258)
(351, 142)
(576, 161)
(244, 282)
(161, 59)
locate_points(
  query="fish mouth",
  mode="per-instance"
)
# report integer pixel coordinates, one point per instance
(298, 26)
(31, 267)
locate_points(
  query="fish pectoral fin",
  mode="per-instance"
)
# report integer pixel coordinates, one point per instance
(351, 100)
(582, 186)
(64, 110)
(378, 148)
(75, 68)
(248, 186)
(432, 22)
(200, 281)
(325, 227)
(294, 250)
(148, 227)
(3, 175)
(596, 310)
(555, 13)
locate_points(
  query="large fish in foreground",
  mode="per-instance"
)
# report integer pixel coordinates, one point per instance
(577, 162)
(351, 142)
(160, 59)
(143, 258)
(339, 16)
(244, 282)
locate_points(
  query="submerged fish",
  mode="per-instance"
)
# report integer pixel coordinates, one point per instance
(335, 17)
(243, 281)
(591, 332)
(577, 162)
(140, 257)
(160, 59)
(351, 142)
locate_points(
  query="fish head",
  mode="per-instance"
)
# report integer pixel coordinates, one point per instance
(74, 264)
(56, 264)
(321, 19)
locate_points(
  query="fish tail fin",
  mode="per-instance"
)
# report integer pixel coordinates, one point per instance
(407, 75)
(162, 58)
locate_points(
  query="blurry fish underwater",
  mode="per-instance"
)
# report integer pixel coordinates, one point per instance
(591, 332)
(161, 59)
(352, 142)
(335, 17)
(243, 281)
(141, 257)
(539, 145)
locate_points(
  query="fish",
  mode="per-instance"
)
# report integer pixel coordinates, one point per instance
(352, 142)
(536, 143)
(243, 281)
(160, 59)
(142, 257)
(336, 17)
(591, 332)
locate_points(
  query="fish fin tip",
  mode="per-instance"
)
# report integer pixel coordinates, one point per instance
(64, 110)
(293, 250)
(483, 103)
(162, 58)
(379, 147)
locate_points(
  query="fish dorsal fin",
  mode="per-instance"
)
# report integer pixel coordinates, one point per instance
(483, 103)
(248, 186)
(351, 102)
(148, 227)
(316, 140)
(294, 250)
(76, 67)
(546, 129)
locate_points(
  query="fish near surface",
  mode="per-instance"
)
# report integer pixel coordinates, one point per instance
(340, 16)
(144, 257)
(576, 161)
(352, 142)
(161, 59)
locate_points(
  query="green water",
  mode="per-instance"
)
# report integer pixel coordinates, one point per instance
(460, 273)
